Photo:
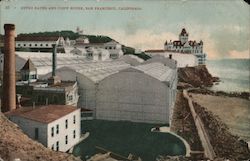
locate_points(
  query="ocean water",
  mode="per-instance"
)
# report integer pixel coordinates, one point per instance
(233, 73)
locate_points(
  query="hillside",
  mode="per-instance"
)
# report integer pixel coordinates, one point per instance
(15, 144)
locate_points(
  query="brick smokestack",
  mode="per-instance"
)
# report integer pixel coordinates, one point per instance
(9, 70)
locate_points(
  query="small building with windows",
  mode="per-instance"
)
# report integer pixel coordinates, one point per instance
(43, 93)
(29, 72)
(57, 127)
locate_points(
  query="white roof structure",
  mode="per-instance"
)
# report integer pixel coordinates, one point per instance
(183, 60)
(132, 59)
(163, 59)
(99, 70)
(158, 71)
(93, 70)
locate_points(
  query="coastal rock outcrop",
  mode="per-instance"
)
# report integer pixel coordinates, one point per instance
(195, 76)
(15, 144)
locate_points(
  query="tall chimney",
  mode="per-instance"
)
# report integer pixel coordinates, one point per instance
(9, 70)
(54, 79)
(54, 61)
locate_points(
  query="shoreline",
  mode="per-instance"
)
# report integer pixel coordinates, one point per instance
(243, 95)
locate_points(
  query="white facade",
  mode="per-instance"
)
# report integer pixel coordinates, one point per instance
(183, 60)
(114, 48)
(39, 42)
(72, 132)
(88, 75)
(54, 135)
(183, 45)
(97, 54)
(145, 93)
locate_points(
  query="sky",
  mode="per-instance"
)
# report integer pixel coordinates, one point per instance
(143, 24)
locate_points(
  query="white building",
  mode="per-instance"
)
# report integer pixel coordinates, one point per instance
(97, 54)
(41, 42)
(183, 45)
(183, 60)
(114, 48)
(145, 93)
(55, 126)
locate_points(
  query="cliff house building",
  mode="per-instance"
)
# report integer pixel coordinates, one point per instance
(183, 45)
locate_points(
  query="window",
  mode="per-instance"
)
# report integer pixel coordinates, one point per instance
(30, 45)
(70, 98)
(18, 44)
(24, 44)
(47, 44)
(57, 145)
(33, 76)
(52, 131)
(74, 134)
(66, 124)
(74, 119)
(35, 44)
(41, 44)
(55, 100)
(57, 129)
(66, 139)
(52, 147)
(36, 133)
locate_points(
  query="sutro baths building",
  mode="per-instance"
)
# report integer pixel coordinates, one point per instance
(116, 90)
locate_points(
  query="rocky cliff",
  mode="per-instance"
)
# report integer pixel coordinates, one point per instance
(195, 77)
(15, 144)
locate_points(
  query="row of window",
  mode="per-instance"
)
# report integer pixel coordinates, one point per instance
(53, 99)
(181, 50)
(26, 77)
(66, 141)
(110, 47)
(34, 45)
(66, 126)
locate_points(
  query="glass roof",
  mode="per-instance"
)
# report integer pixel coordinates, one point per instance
(94, 70)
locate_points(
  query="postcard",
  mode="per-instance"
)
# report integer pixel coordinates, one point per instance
(102, 80)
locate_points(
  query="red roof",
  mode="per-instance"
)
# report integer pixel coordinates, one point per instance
(43, 114)
(177, 43)
(37, 38)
